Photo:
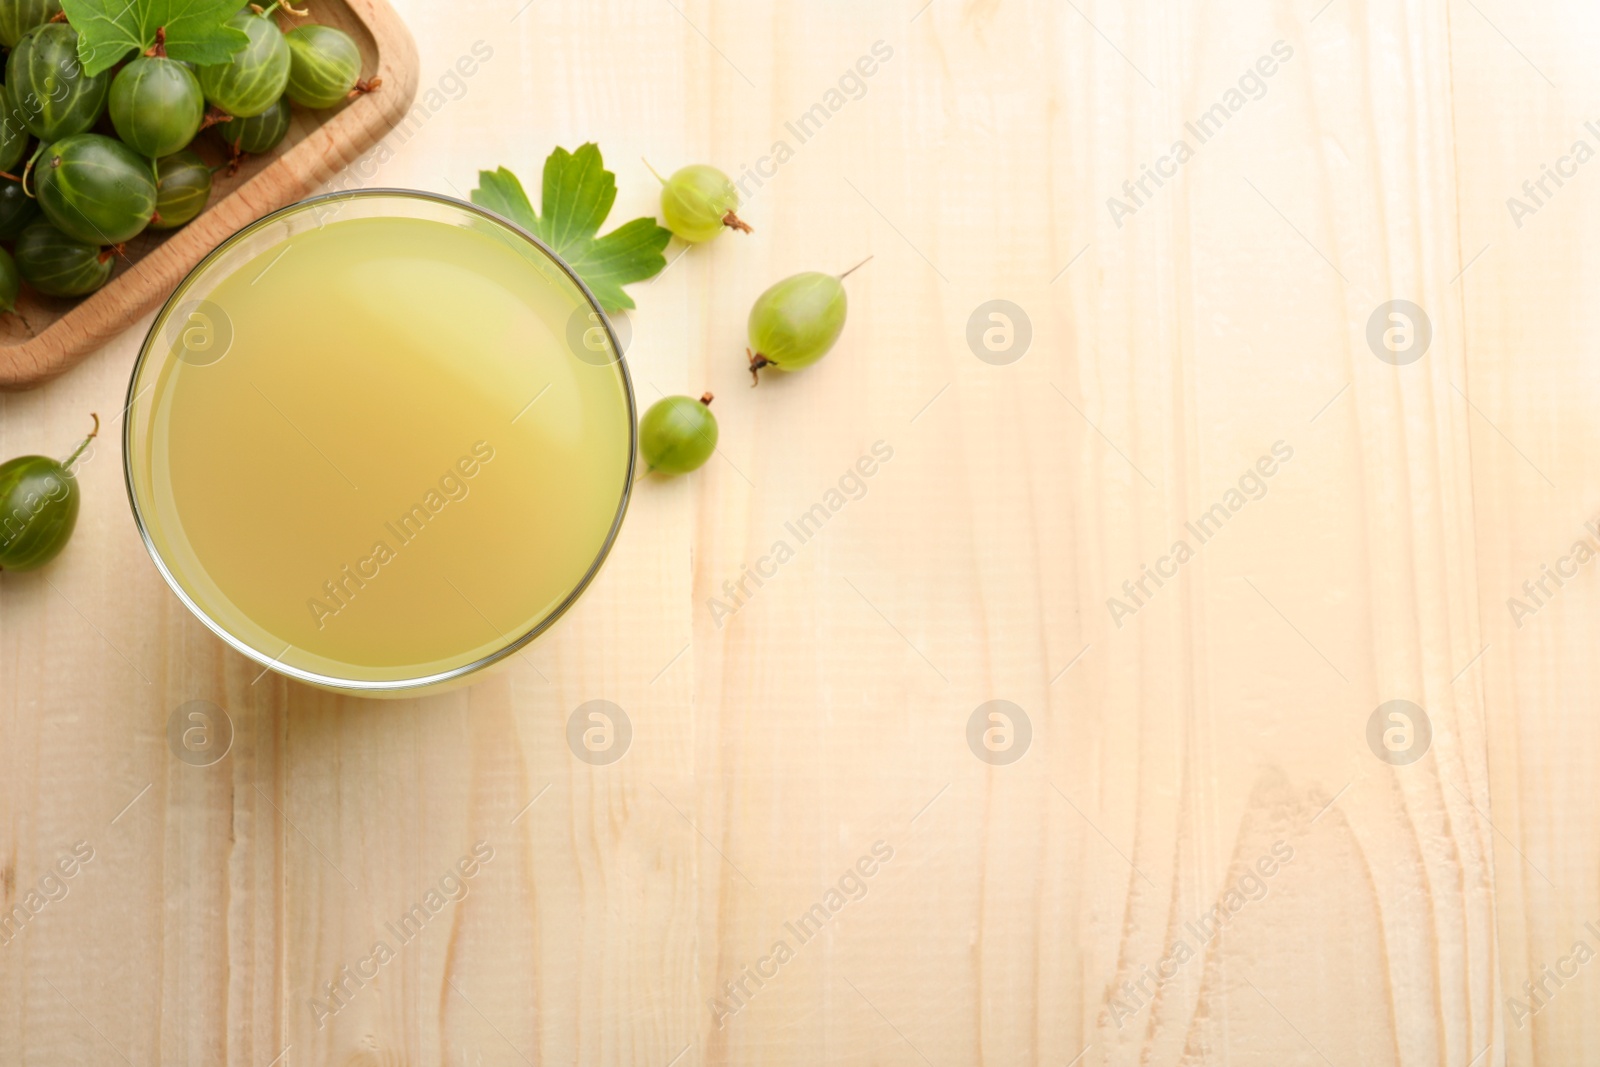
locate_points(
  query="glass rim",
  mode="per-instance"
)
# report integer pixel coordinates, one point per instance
(369, 685)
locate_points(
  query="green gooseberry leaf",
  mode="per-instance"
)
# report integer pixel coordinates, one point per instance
(196, 30)
(578, 195)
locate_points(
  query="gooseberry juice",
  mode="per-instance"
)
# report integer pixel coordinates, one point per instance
(400, 464)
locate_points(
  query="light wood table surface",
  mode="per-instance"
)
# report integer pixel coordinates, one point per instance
(1200, 856)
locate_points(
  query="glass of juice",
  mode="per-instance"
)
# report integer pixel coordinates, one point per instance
(379, 440)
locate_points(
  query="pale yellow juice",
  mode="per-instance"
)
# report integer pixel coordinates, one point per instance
(400, 465)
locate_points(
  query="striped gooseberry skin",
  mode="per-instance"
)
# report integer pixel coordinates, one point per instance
(17, 17)
(38, 510)
(13, 135)
(156, 105)
(183, 185)
(58, 265)
(260, 133)
(253, 80)
(48, 89)
(95, 188)
(325, 65)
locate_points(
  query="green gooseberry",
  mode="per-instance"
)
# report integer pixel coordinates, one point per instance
(183, 185)
(156, 105)
(13, 135)
(95, 188)
(17, 17)
(38, 507)
(324, 66)
(47, 87)
(259, 133)
(678, 434)
(253, 78)
(58, 265)
(698, 202)
(796, 322)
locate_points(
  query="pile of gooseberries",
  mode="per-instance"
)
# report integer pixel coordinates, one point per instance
(88, 162)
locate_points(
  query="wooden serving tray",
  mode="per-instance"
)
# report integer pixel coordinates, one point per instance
(47, 335)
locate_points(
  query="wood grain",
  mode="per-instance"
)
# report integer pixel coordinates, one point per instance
(1532, 386)
(1198, 859)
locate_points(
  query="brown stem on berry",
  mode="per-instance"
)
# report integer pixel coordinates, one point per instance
(706, 399)
(84, 443)
(160, 47)
(734, 222)
(59, 16)
(113, 250)
(757, 361)
(364, 86)
(855, 268)
(155, 218)
(214, 115)
(235, 161)
(9, 176)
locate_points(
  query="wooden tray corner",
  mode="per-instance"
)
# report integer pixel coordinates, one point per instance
(47, 335)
